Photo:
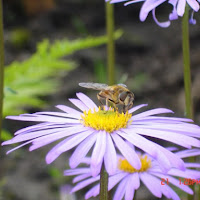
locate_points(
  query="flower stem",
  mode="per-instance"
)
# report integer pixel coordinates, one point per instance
(187, 74)
(103, 184)
(1, 65)
(186, 64)
(110, 45)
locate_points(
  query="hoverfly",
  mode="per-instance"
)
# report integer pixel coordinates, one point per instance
(116, 94)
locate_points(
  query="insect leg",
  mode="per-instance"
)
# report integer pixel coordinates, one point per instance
(124, 109)
(106, 102)
(99, 98)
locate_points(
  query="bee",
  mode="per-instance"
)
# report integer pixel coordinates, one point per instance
(116, 94)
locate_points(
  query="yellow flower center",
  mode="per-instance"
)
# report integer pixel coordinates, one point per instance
(108, 120)
(124, 165)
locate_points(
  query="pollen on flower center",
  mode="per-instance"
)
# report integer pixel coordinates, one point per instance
(124, 165)
(108, 120)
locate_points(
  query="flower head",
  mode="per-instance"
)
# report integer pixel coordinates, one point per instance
(178, 10)
(128, 178)
(108, 120)
(105, 130)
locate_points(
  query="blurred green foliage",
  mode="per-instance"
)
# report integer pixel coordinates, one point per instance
(139, 81)
(5, 135)
(20, 37)
(79, 25)
(100, 71)
(55, 173)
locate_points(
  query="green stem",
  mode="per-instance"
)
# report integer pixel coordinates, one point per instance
(103, 184)
(110, 45)
(187, 74)
(1, 65)
(186, 64)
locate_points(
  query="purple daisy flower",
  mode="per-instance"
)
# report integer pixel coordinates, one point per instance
(151, 175)
(104, 130)
(178, 10)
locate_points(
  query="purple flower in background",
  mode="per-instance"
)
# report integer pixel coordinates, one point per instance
(104, 131)
(178, 10)
(128, 178)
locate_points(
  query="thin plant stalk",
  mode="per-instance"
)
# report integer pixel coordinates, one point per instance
(103, 184)
(110, 44)
(187, 74)
(186, 64)
(111, 81)
(1, 65)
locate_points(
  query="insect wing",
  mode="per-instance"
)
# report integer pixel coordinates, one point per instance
(94, 86)
(123, 85)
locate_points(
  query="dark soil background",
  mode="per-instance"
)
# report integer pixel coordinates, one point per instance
(149, 56)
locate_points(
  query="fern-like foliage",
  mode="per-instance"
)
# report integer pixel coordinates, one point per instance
(26, 81)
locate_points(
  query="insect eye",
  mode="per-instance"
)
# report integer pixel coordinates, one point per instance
(122, 96)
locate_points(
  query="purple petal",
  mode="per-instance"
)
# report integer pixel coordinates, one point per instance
(161, 24)
(115, 179)
(86, 100)
(93, 192)
(193, 4)
(42, 141)
(73, 172)
(81, 177)
(169, 193)
(99, 148)
(85, 183)
(180, 128)
(151, 112)
(66, 144)
(188, 153)
(188, 173)
(176, 119)
(175, 182)
(135, 180)
(17, 147)
(192, 20)
(172, 157)
(55, 133)
(95, 169)
(41, 118)
(134, 1)
(68, 110)
(120, 191)
(173, 194)
(176, 138)
(79, 104)
(117, 1)
(181, 7)
(35, 127)
(86, 160)
(166, 191)
(148, 6)
(152, 183)
(173, 2)
(134, 184)
(81, 150)
(127, 151)
(192, 165)
(129, 193)
(138, 141)
(110, 157)
(148, 147)
(54, 114)
(137, 107)
(173, 15)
